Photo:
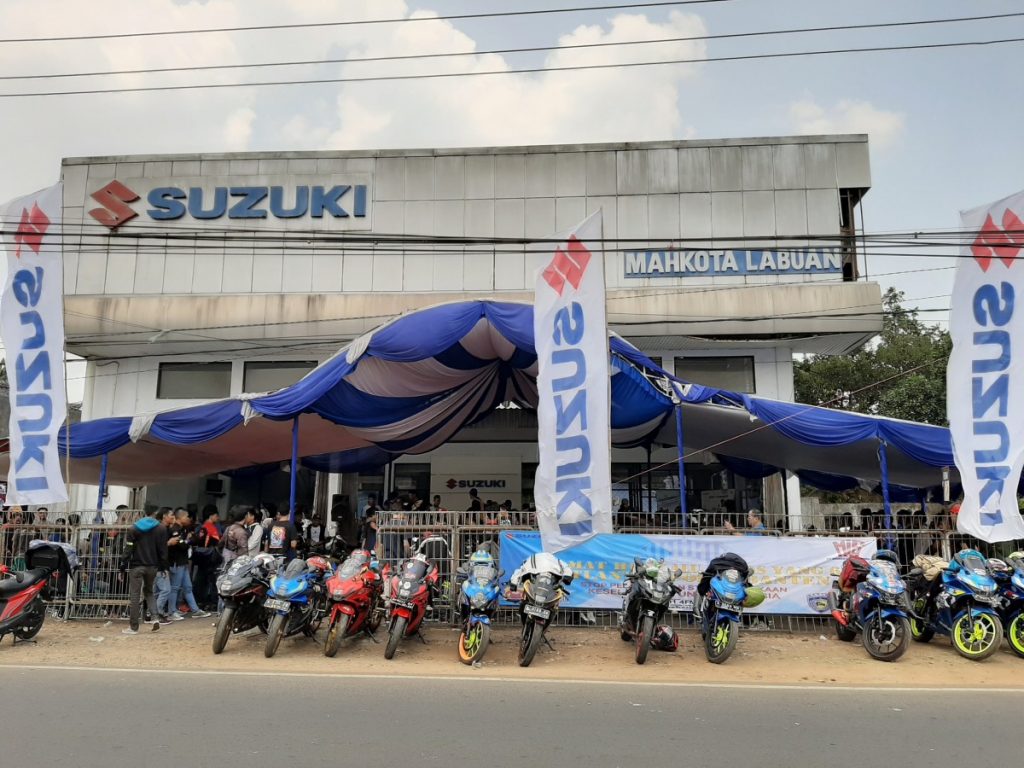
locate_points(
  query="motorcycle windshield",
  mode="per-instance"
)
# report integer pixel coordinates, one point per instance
(973, 564)
(886, 575)
(483, 574)
(414, 569)
(353, 566)
(240, 566)
(294, 569)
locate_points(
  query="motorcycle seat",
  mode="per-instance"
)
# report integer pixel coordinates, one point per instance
(12, 586)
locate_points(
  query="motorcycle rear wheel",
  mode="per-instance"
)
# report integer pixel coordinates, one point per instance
(872, 638)
(473, 645)
(31, 628)
(274, 634)
(979, 638)
(643, 638)
(1015, 633)
(225, 624)
(845, 634)
(530, 642)
(919, 630)
(395, 635)
(335, 634)
(720, 640)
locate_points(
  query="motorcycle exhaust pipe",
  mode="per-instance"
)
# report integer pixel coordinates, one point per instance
(837, 613)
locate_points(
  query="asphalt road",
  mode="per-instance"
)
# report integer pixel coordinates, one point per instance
(89, 719)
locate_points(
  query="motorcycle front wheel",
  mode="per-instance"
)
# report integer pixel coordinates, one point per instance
(886, 639)
(643, 638)
(31, 627)
(395, 635)
(919, 630)
(274, 634)
(1015, 633)
(720, 640)
(529, 642)
(224, 626)
(473, 642)
(335, 634)
(976, 636)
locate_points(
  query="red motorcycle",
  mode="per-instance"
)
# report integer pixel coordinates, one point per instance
(354, 605)
(409, 593)
(21, 592)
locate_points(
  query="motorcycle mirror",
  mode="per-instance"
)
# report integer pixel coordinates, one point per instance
(567, 579)
(677, 572)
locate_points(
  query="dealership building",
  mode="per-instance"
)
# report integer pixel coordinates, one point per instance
(189, 278)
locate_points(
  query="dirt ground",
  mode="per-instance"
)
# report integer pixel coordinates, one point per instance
(585, 654)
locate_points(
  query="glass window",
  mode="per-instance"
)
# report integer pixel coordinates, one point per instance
(193, 380)
(733, 373)
(269, 376)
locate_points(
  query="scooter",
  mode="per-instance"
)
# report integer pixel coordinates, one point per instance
(409, 592)
(243, 588)
(295, 601)
(478, 600)
(961, 602)
(22, 610)
(650, 589)
(870, 598)
(1009, 576)
(353, 599)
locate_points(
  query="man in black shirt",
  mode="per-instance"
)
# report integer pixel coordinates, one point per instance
(181, 569)
(144, 557)
(284, 536)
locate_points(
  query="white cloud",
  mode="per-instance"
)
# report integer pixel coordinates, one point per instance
(238, 129)
(848, 116)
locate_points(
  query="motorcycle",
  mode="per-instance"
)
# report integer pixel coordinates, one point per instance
(354, 599)
(409, 592)
(542, 592)
(22, 609)
(478, 600)
(650, 588)
(870, 598)
(720, 608)
(243, 587)
(295, 601)
(1009, 576)
(962, 603)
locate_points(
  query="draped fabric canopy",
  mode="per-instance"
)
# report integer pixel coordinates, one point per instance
(412, 384)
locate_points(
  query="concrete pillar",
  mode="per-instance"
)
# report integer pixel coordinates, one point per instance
(796, 518)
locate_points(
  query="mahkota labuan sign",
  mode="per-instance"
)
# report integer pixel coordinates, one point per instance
(673, 262)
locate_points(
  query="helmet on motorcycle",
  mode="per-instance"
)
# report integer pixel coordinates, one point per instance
(664, 638)
(755, 596)
(318, 563)
(482, 557)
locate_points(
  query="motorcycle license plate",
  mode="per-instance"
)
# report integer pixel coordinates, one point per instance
(273, 604)
(539, 613)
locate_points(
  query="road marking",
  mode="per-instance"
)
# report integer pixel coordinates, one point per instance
(496, 679)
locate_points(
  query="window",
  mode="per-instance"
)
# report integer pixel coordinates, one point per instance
(268, 376)
(732, 373)
(200, 381)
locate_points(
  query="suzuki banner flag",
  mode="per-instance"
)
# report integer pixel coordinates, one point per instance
(32, 327)
(985, 377)
(572, 490)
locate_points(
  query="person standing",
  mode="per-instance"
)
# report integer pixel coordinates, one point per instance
(370, 531)
(145, 556)
(162, 585)
(253, 518)
(284, 537)
(236, 538)
(180, 568)
(206, 556)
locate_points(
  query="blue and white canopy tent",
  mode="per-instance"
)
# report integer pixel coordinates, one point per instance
(413, 383)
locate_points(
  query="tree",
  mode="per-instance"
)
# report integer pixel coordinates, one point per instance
(901, 373)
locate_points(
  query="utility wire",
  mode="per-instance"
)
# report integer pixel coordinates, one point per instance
(505, 51)
(498, 72)
(360, 22)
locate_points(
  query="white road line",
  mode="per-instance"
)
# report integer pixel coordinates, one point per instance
(492, 679)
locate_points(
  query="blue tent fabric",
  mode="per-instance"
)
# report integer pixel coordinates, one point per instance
(745, 467)
(413, 383)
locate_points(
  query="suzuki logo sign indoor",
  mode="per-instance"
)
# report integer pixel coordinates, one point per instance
(336, 202)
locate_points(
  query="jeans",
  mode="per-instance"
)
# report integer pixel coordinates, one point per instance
(162, 587)
(140, 586)
(181, 581)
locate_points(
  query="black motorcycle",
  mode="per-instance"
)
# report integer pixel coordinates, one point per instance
(650, 587)
(243, 587)
(541, 595)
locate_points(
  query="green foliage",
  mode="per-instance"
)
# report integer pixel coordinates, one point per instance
(901, 373)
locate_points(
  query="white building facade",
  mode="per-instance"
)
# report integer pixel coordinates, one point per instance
(194, 277)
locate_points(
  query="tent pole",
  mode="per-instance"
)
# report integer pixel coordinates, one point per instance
(682, 468)
(883, 464)
(103, 488)
(295, 469)
(650, 483)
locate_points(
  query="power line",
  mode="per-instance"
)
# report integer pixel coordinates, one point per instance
(360, 22)
(498, 72)
(505, 51)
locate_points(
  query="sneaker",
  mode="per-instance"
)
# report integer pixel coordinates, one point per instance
(201, 615)
(129, 631)
(177, 617)
(164, 620)
(156, 625)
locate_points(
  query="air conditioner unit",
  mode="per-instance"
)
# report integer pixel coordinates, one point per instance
(214, 486)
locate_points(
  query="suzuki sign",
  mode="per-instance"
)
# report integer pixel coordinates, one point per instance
(332, 202)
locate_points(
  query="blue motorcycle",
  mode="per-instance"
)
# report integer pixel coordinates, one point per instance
(478, 600)
(721, 596)
(296, 601)
(870, 598)
(1009, 576)
(961, 602)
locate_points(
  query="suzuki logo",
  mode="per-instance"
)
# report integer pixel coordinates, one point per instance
(451, 482)
(994, 242)
(31, 229)
(114, 198)
(567, 267)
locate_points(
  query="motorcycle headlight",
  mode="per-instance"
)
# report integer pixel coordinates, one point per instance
(479, 600)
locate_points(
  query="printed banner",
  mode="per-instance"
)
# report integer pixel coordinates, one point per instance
(795, 573)
(985, 377)
(32, 327)
(673, 262)
(572, 490)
